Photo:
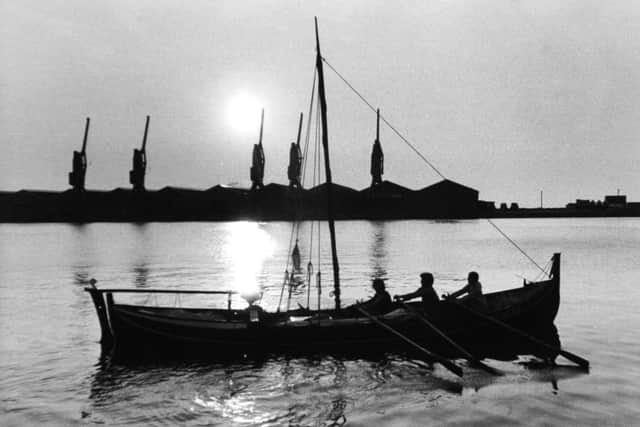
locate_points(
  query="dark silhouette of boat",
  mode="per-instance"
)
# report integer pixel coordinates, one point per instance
(515, 321)
(137, 329)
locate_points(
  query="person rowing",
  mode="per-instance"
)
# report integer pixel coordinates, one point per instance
(471, 293)
(380, 303)
(430, 300)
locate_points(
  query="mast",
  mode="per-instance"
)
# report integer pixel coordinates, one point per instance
(327, 169)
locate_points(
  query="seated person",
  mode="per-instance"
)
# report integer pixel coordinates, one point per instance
(473, 291)
(429, 297)
(380, 303)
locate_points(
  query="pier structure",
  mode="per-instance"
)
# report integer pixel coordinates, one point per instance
(137, 174)
(79, 165)
(257, 164)
(377, 156)
(294, 171)
(382, 200)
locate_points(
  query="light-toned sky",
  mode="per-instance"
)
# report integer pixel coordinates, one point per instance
(508, 97)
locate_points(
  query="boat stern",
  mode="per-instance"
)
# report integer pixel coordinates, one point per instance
(101, 306)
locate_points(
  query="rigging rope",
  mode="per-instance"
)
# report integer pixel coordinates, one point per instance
(284, 283)
(345, 81)
(296, 225)
(309, 275)
(308, 134)
(304, 172)
(546, 270)
(406, 141)
(515, 244)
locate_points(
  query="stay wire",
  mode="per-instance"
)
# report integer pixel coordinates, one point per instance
(516, 245)
(415, 150)
(313, 178)
(306, 145)
(309, 120)
(406, 141)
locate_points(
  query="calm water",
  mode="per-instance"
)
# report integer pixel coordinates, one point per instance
(51, 369)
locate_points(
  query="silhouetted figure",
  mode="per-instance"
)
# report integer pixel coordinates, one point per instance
(77, 175)
(471, 292)
(136, 176)
(380, 303)
(377, 157)
(295, 161)
(430, 300)
(257, 165)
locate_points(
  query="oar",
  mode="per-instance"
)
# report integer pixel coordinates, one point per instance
(443, 361)
(455, 345)
(584, 363)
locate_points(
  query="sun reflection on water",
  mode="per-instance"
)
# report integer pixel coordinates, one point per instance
(248, 247)
(240, 409)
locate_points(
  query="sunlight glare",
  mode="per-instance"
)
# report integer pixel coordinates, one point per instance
(243, 112)
(248, 247)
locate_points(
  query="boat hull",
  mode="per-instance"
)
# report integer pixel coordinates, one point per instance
(182, 332)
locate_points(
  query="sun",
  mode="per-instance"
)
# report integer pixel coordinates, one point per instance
(243, 112)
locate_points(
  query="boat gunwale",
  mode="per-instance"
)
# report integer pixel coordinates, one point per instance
(538, 295)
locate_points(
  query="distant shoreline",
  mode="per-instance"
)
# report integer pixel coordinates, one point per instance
(445, 200)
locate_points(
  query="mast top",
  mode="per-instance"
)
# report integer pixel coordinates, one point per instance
(378, 125)
(317, 36)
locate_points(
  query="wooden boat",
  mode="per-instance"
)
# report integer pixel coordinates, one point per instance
(182, 331)
(515, 321)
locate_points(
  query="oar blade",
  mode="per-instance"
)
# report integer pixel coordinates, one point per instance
(583, 363)
(474, 361)
(452, 367)
(486, 368)
(442, 360)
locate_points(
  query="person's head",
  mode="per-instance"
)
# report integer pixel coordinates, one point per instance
(426, 279)
(378, 285)
(473, 277)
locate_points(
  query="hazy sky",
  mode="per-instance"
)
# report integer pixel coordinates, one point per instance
(508, 97)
